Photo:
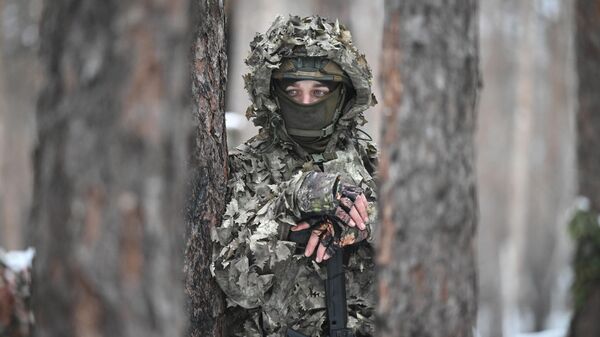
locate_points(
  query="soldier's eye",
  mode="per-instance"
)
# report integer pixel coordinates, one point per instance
(320, 92)
(292, 92)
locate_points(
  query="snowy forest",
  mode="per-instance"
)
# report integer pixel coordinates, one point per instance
(116, 118)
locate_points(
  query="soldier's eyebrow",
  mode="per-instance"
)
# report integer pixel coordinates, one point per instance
(316, 85)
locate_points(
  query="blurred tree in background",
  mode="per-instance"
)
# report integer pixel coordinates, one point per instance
(428, 207)
(110, 166)
(585, 226)
(525, 165)
(20, 77)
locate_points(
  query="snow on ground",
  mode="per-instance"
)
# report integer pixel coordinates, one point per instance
(558, 326)
(17, 260)
(560, 332)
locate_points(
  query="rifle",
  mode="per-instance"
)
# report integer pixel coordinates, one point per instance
(335, 290)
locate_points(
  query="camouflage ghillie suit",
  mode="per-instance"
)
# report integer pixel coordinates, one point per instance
(275, 182)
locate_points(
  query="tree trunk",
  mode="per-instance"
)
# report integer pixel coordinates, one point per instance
(428, 209)
(206, 203)
(587, 51)
(587, 276)
(110, 168)
(19, 84)
(525, 164)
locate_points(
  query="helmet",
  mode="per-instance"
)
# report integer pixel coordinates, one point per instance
(310, 68)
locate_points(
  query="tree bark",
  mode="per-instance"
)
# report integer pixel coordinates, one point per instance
(587, 50)
(110, 168)
(428, 209)
(206, 203)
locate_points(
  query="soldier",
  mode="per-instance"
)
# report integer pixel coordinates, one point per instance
(310, 167)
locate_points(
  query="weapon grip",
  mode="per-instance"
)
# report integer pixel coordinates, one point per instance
(335, 288)
(300, 237)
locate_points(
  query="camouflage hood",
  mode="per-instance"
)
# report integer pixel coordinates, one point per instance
(314, 37)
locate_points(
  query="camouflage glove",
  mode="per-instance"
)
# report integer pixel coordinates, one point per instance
(352, 209)
(327, 194)
(316, 194)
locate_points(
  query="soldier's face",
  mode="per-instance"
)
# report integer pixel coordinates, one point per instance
(307, 91)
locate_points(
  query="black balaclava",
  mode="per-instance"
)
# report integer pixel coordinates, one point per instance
(311, 125)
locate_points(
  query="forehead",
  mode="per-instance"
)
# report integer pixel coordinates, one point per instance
(307, 83)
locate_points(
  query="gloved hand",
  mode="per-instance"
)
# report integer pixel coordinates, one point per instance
(352, 209)
(327, 194)
(324, 236)
(316, 195)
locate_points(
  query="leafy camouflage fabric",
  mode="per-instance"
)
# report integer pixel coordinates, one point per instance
(269, 284)
(259, 270)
